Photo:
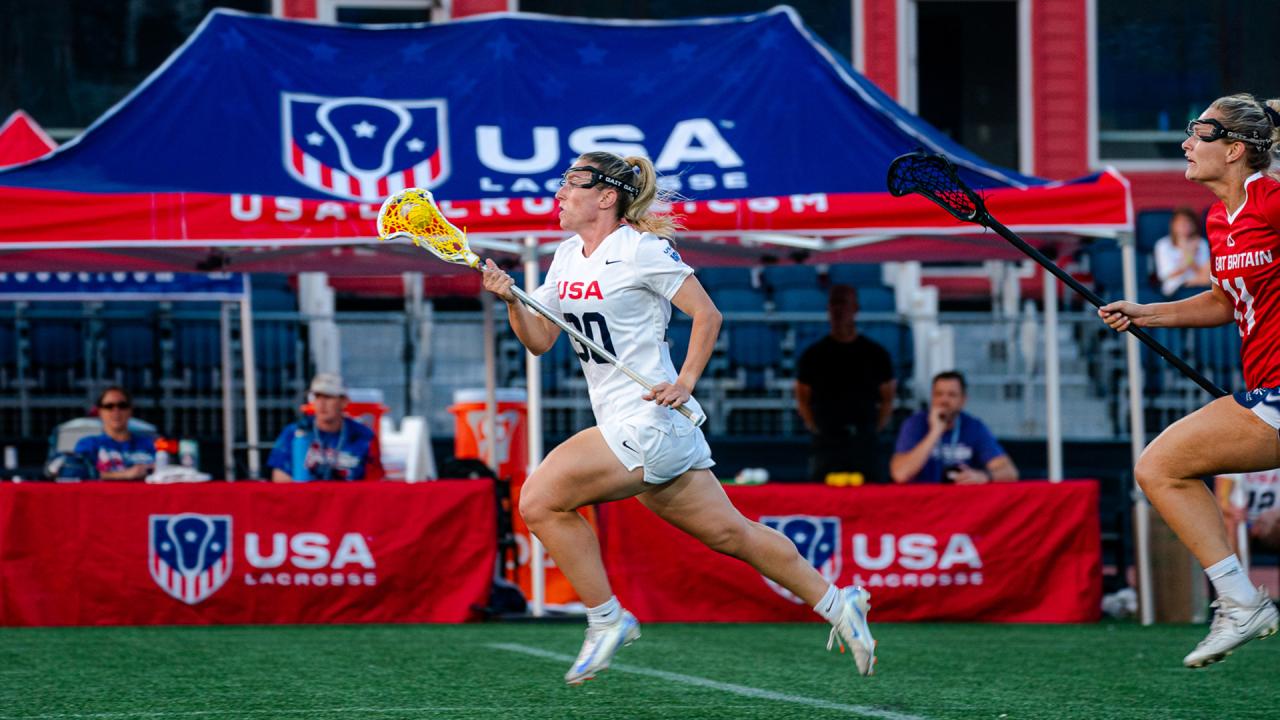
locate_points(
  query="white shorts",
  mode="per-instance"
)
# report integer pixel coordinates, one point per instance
(1264, 402)
(666, 449)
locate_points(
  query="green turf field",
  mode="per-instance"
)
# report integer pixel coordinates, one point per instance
(674, 671)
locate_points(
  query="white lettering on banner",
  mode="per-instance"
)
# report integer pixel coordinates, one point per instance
(319, 579)
(538, 206)
(494, 206)
(817, 200)
(288, 209)
(598, 137)
(308, 551)
(330, 210)
(546, 150)
(917, 580)
(916, 551)
(696, 140)
(250, 208)
(246, 214)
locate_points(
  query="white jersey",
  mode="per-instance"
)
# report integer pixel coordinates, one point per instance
(620, 297)
(1260, 491)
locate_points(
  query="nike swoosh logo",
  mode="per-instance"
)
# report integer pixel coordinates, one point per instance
(626, 445)
(610, 262)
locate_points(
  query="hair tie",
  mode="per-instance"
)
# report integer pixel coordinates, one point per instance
(1272, 115)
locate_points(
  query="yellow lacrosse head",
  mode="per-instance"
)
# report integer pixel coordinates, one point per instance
(412, 213)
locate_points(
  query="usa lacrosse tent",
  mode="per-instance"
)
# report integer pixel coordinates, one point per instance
(22, 139)
(267, 145)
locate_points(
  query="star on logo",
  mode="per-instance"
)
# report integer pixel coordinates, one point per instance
(189, 536)
(415, 145)
(364, 129)
(315, 138)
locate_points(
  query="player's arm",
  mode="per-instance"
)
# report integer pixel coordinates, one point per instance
(693, 301)
(280, 476)
(1210, 308)
(535, 332)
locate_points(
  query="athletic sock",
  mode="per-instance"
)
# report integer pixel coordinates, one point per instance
(606, 613)
(1230, 580)
(830, 606)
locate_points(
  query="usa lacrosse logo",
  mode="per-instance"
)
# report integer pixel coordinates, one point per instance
(190, 554)
(817, 539)
(364, 149)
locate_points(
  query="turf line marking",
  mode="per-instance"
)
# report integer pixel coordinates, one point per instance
(743, 690)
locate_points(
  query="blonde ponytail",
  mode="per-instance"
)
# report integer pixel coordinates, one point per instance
(637, 211)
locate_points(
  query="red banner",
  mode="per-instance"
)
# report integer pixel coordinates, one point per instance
(1024, 552)
(127, 554)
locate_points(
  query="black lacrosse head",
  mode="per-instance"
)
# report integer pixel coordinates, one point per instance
(935, 177)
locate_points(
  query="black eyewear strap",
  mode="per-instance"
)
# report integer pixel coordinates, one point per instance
(1219, 131)
(598, 177)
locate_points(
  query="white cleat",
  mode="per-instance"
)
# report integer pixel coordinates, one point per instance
(600, 645)
(852, 630)
(1234, 625)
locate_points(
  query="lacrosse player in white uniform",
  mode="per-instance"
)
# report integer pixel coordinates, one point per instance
(616, 281)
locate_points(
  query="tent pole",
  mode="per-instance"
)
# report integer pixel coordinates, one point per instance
(228, 393)
(1053, 378)
(1137, 441)
(489, 447)
(533, 380)
(250, 379)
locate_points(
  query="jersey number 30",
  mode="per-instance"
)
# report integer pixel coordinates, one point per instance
(592, 325)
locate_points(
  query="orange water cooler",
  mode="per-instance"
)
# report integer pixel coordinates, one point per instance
(512, 448)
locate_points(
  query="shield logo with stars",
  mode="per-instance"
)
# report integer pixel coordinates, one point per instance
(364, 149)
(818, 540)
(190, 554)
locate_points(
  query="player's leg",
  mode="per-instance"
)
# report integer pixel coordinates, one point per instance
(581, 471)
(697, 504)
(1221, 437)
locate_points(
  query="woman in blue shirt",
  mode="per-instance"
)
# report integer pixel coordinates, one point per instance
(117, 454)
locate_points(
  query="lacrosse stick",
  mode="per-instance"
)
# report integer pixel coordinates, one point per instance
(412, 214)
(935, 177)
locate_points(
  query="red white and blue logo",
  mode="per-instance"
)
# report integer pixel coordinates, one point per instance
(818, 540)
(190, 554)
(364, 149)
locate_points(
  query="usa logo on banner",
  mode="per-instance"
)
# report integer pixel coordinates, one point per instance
(190, 554)
(818, 540)
(364, 149)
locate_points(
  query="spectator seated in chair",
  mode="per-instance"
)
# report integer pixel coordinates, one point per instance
(1182, 256)
(117, 454)
(944, 444)
(329, 446)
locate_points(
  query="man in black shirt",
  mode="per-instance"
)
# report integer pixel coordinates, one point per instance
(844, 394)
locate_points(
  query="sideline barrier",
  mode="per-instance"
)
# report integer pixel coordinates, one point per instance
(133, 554)
(1019, 552)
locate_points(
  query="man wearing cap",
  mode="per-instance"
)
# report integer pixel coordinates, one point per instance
(329, 446)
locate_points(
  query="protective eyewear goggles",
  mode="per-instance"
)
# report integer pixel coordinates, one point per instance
(1210, 130)
(597, 177)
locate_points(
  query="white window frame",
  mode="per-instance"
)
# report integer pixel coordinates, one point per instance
(1094, 120)
(327, 10)
(909, 73)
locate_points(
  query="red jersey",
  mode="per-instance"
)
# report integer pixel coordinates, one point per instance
(1245, 250)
